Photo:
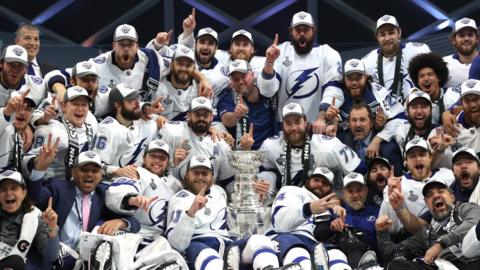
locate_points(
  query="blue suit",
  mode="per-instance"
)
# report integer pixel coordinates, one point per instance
(63, 196)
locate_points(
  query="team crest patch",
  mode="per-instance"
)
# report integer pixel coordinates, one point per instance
(208, 30)
(99, 60)
(470, 83)
(37, 80)
(281, 160)
(159, 143)
(168, 100)
(324, 170)
(287, 62)
(224, 71)
(415, 141)
(412, 197)
(78, 89)
(371, 218)
(236, 64)
(17, 51)
(125, 29)
(107, 120)
(302, 16)
(201, 159)
(417, 44)
(182, 194)
(7, 173)
(354, 64)
(291, 106)
(185, 50)
(352, 175)
(385, 18)
(103, 89)
(90, 154)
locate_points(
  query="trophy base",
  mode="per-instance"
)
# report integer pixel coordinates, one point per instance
(247, 221)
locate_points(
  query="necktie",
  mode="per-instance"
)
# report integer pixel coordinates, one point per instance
(30, 70)
(85, 211)
(361, 149)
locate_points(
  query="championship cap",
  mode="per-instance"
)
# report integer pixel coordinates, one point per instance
(464, 22)
(76, 91)
(470, 87)
(12, 175)
(442, 183)
(353, 177)
(29, 97)
(122, 91)
(239, 65)
(302, 18)
(323, 171)
(244, 33)
(88, 157)
(183, 51)
(157, 145)
(417, 93)
(200, 161)
(378, 160)
(469, 151)
(84, 68)
(416, 142)
(208, 31)
(292, 108)
(15, 53)
(354, 66)
(387, 19)
(125, 31)
(201, 103)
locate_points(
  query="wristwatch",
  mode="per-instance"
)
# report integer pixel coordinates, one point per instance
(441, 243)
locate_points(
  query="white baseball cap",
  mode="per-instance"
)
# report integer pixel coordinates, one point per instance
(201, 103)
(200, 161)
(416, 142)
(88, 157)
(239, 65)
(15, 53)
(464, 22)
(183, 51)
(244, 33)
(156, 145)
(74, 92)
(208, 31)
(434, 182)
(292, 108)
(354, 66)
(84, 68)
(29, 97)
(417, 93)
(387, 19)
(470, 87)
(122, 91)
(302, 18)
(323, 171)
(469, 151)
(125, 31)
(353, 177)
(12, 175)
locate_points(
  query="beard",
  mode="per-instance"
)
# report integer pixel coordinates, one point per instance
(381, 182)
(199, 127)
(302, 50)
(180, 80)
(130, 115)
(426, 124)
(357, 205)
(438, 216)
(200, 59)
(466, 51)
(295, 138)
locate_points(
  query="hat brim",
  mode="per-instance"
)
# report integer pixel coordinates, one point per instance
(83, 163)
(321, 175)
(292, 113)
(21, 183)
(432, 184)
(355, 71)
(302, 23)
(133, 95)
(206, 34)
(13, 59)
(476, 92)
(90, 99)
(419, 97)
(378, 160)
(125, 37)
(201, 107)
(84, 74)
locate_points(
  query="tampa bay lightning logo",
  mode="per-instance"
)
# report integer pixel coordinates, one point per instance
(185, 50)
(236, 63)
(302, 83)
(103, 89)
(324, 170)
(302, 16)
(158, 214)
(87, 65)
(354, 64)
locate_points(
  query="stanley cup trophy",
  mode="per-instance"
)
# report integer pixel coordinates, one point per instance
(247, 215)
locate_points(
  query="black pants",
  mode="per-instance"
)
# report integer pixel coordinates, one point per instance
(403, 264)
(13, 262)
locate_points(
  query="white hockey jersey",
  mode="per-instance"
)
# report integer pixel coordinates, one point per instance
(412, 192)
(7, 137)
(457, 71)
(101, 106)
(119, 145)
(146, 60)
(34, 83)
(325, 151)
(175, 101)
(409, 50)
(153, 221)
(175, 133)
(287, 212)
(304, 78)
(58, 130)
(210, 221)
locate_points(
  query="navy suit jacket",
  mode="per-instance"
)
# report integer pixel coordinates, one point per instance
(388, 150)
(63, 196)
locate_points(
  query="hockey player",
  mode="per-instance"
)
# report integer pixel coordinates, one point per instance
(440, 243)
(403, 196)
(123, 136)
(75, 133)
(429, 73)
(13, 77)
(14, 119)
(147, 198)
(295, 213)
(388, 64)
(291, 156)
(377, 176)
(305, 70)
(464, 39)
(193, 138)
(386, 111)
(83, 74)
(242, 105)
(178, 89)
(197, 225)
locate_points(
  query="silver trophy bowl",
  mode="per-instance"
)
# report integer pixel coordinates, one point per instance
(247, 215)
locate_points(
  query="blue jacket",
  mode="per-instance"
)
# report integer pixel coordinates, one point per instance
(63, 196)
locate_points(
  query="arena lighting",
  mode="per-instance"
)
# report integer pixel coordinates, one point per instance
(51, 11)
(432, 9)
(444, 24)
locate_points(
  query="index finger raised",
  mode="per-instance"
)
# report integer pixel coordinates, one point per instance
(24, 94)
(203, 191)
(275, 40)
(50, 202)
(250, 132)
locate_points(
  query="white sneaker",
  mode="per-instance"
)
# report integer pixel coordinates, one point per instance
(101, 258)
(231, 258)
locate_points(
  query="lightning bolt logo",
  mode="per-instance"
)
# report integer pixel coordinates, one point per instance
(300, 81)
(134, 155)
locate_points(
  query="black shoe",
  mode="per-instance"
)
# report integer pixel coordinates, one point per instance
(291, 266)
(369, 261)
(170, 266)
(101, 258)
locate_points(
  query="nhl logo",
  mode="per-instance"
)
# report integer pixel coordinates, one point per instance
(470, 83)
(385, 18)
(87, 65)
(90, 154)
(465, 21)
(125, 29)
(159, 143)
(354, 64)
(302, 16)
(353, 175)
(415, 141)
(208, 30)
(185, 50)
(324, 170)
(168, 100)
(201, 159)
(17, 51)
(201, 100)
(236, 64)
